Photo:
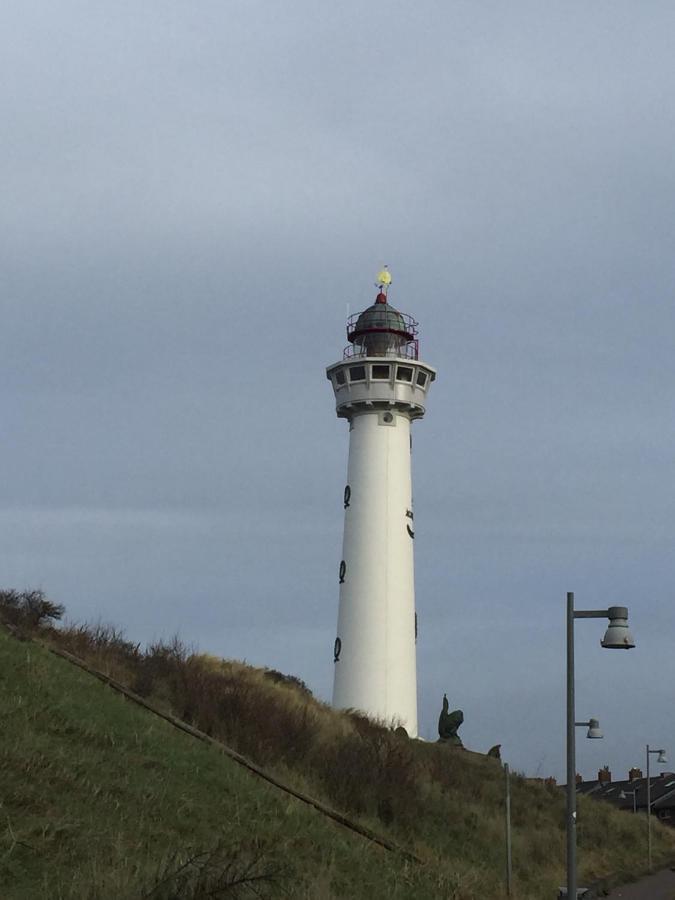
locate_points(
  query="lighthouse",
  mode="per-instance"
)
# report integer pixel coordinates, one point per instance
(380, 388)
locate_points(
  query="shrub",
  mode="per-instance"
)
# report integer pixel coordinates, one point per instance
(370, 771)
(102, 645)
(236, 872)
(289, 680)
(28, 609)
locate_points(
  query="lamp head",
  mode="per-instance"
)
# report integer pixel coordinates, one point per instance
(594, 731)
(617, 636)
(662, 758)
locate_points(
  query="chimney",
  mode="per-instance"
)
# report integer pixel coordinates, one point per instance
(634, 774)
(579, 778)
(604, 775)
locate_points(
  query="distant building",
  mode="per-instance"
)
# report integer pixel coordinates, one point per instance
(631, 794)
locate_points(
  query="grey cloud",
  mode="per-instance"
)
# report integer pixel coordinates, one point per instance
(191, 202)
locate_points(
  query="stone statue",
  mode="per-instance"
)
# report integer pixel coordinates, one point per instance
(448, 724)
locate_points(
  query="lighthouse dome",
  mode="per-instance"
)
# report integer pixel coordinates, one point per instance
(381, 316)
(381, 330)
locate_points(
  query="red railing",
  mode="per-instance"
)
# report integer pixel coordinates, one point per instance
(408, 351)
(383, 322)
(402, 327)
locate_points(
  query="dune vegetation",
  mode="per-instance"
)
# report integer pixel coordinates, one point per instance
(99, 798)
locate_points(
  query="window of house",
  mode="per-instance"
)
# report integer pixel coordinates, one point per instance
(403, 373)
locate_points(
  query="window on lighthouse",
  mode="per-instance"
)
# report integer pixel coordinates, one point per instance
(403, 373)
(357, 373)
(381, 373)
(339, 377)
(421, 379)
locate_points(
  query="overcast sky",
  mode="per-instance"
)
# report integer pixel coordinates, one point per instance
(194, 195)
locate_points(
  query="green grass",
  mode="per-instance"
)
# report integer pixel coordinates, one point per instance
(101, 799)
(98, 795)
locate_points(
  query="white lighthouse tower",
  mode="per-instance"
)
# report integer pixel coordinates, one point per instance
(380, 388)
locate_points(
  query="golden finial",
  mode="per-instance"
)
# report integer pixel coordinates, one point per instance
(384, 278)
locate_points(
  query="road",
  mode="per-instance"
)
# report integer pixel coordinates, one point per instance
(660, 886)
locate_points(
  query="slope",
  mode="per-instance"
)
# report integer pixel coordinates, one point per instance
(99, 799)
(103, 799)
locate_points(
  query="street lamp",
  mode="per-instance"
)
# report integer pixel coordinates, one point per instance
(594, 731)
(661, 759)
(624, 796)
(617, 637)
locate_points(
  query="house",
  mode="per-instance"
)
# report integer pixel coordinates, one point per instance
(631, 794)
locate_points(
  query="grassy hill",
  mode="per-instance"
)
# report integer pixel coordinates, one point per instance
(99, 798)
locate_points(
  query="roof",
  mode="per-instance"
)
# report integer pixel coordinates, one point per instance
(662, 791)
(380, 317)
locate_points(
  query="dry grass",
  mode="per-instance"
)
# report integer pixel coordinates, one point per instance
(100, 800)
(445, 804)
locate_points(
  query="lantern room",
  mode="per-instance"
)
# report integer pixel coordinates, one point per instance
(382, 330)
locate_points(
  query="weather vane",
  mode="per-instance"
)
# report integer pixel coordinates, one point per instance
(383, 279)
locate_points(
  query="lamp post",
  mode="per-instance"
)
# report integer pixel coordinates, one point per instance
(624, 796)
(594, 733)
(616, 637)
(509, 866)
(661, 759)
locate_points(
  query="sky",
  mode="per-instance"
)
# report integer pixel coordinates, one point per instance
(194, 197)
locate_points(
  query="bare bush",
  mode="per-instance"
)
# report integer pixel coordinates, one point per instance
(371, 771)
(246, 712)
(104, 646)
(232, 873)
(28, 609)
(289, 680)
(360, 765)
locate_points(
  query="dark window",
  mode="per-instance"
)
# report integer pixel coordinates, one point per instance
(421, 378)
(381, 373)
(403, 373)
(340, 376)
(357, 373)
